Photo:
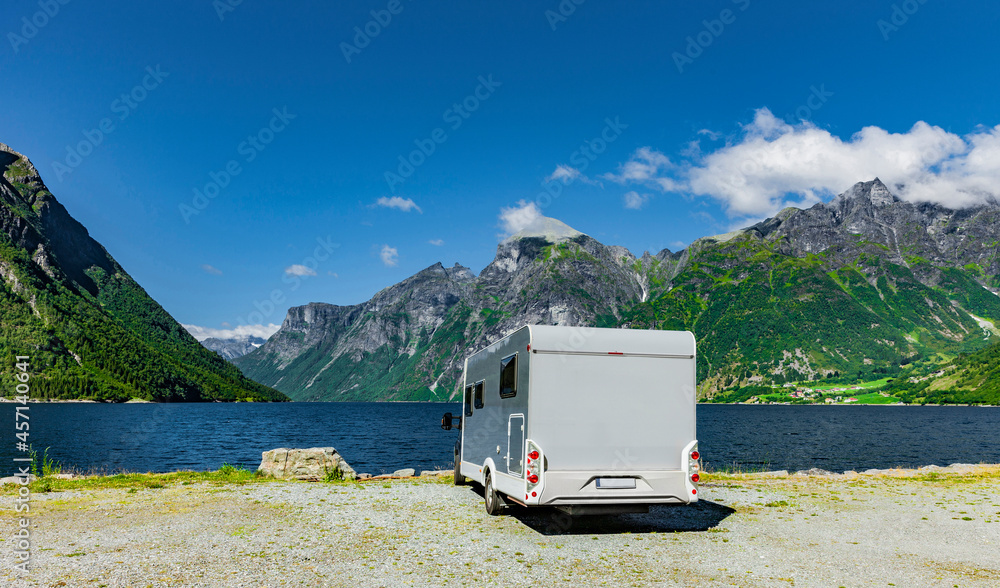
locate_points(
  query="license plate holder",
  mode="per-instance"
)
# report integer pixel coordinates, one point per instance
(616, 483)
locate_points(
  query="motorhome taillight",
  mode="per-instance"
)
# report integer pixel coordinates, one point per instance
(533, 478)
(533, 455)
(695, 455)
(529, 346)
(695, 477)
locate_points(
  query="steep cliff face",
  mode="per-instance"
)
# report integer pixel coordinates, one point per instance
(333, 352)
(410, 340)
(91, 331)
(859, 285)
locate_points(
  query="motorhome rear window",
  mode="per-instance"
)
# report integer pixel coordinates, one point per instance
(468, 401)
(508, 377)
(480, 387)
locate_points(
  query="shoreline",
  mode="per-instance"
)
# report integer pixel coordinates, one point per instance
(709, 475)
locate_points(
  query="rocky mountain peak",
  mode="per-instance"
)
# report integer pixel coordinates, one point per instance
(25, 172)
(873, 192)
(234, 347)
(457, 272)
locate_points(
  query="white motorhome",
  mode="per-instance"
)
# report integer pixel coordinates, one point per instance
(588, 420)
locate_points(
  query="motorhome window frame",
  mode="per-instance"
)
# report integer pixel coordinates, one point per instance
(503, 365)
(479, 395)
(467, 401)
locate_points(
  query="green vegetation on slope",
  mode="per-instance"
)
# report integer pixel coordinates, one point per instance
(115, 346)
(972, 378)
(761, 316)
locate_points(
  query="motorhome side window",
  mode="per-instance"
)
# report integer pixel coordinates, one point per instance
(480, 387)
(508, 377)
(468, 401)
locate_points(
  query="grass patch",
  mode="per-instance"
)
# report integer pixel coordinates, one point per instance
(227, 474)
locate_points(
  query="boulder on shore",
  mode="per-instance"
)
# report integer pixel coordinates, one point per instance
(313, 464)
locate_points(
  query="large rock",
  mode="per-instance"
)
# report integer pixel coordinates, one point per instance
(312, 464)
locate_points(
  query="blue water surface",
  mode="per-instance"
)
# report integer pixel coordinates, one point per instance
(382, 437)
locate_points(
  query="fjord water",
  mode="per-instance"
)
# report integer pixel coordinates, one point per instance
(382, 437)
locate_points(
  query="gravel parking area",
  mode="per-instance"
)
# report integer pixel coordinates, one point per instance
(856, 530)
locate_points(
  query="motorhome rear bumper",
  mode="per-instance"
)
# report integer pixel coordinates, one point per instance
(651, 487)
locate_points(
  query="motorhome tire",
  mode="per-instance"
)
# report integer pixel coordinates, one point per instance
(493, 503)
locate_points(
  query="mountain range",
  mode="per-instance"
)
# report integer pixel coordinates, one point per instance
(233, 347)
(88, 329)
(861, 286)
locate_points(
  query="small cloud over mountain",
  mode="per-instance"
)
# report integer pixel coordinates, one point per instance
(514, 219)
(404, 204)
(564, 173)
(389, 256)
(299, 270)
(635, 200)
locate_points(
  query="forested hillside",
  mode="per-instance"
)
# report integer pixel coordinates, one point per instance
(88, 329)
(972, 378)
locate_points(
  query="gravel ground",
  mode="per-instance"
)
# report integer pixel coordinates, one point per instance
(844, 530)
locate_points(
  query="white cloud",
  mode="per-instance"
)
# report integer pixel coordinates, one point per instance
(771, 164)
(515, 218)
(677, 245)
(635, 200)
(436, 242)
(646, 166)
(404, 204)
(334, 274)
(299, 270)
(211, 270)
(564, 174)
(262, 331)
(389, 255)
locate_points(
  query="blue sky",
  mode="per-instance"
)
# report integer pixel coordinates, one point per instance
(655, 122)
